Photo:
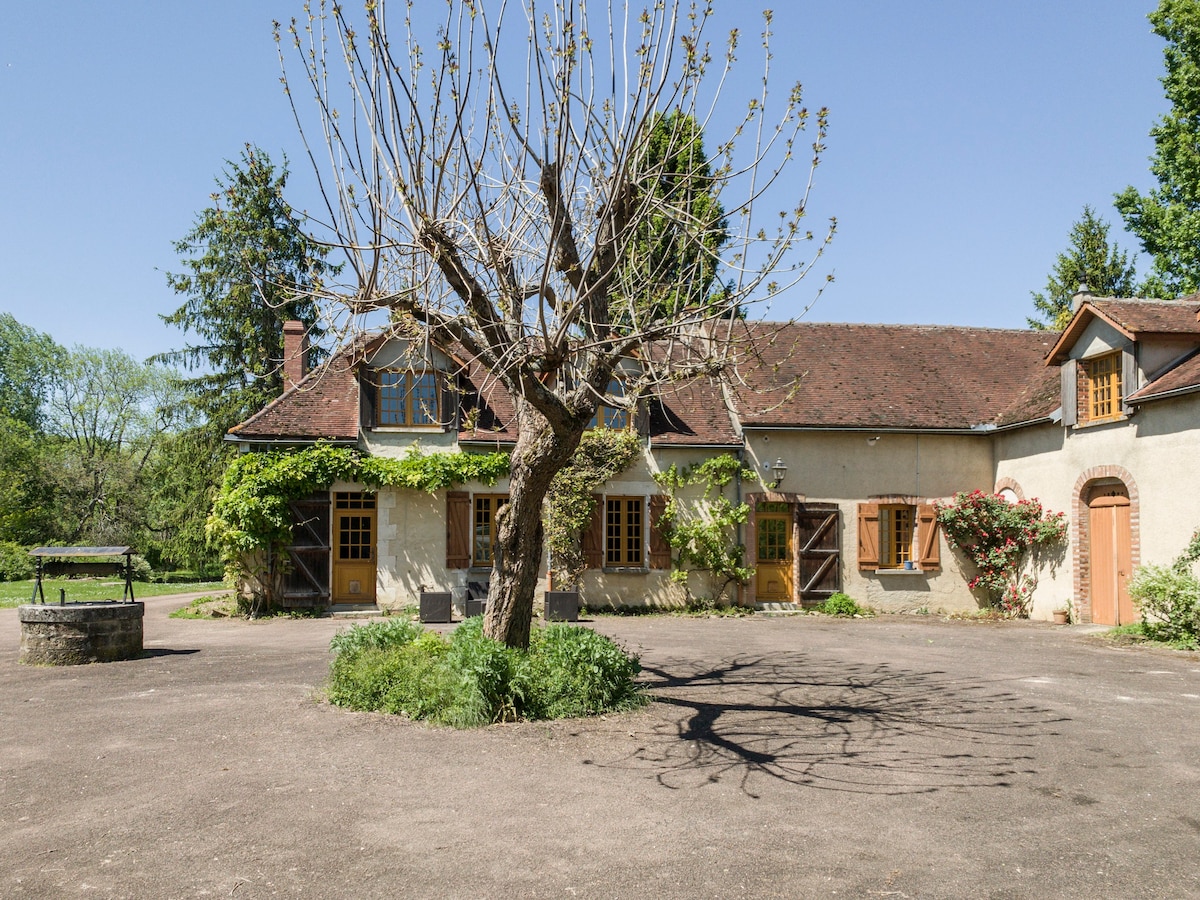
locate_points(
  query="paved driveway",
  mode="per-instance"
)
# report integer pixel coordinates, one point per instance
(802, 757)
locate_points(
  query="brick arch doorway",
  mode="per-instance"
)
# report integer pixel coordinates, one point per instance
(1110, 554)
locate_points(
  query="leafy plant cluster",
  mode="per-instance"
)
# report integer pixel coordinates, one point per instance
(1169, 598)
(702, 532)
(15, 562)
(840, 604)
(603, 454)
(251, 511)
(996, 536)
(469, 680)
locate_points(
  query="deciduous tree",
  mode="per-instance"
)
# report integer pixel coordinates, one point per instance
(1167, 219)
(493, 187)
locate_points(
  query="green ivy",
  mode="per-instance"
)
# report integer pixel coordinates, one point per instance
(251, 510)
(702, 532)
(603, 453)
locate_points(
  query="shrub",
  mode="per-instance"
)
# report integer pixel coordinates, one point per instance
(377, 635)
(1169, 597)
(573, 671)
(472, 680)
(15, 562)
(841, 605)
(996, 535)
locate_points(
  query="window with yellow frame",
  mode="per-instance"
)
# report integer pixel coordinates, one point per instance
(486, 509)
(896, 524)
(407, 398)
(611, 416)
(1104, 387)
(623, 519)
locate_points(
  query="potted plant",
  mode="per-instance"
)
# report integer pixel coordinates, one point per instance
(1062, 615)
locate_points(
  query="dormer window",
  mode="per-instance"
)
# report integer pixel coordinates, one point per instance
(408, 398)
(611, 416)
(1104, 387)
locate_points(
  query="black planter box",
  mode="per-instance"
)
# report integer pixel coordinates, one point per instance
(435, 606)
(562, 606)
(476, 602)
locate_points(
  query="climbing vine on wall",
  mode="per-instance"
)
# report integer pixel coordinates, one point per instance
(703, 532)
(251, 510)
(996, 536)
(603, 453)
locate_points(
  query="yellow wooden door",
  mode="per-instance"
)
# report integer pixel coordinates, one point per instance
(353, 547)
(1110, 560)
(773, 568)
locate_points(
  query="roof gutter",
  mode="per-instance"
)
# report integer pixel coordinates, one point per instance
(1164, 395)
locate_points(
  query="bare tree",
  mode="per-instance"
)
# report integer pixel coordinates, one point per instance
(491, 187)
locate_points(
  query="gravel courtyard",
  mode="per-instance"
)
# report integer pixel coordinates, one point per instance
(780, 757)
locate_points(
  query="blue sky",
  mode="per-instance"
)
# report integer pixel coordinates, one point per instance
(965, 138)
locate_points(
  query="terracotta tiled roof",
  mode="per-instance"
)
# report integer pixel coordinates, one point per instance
(1134, 318)
(692, 413)
(323, 406)
(1182, 378)
(844, 375)
(1150, 316)
(806, 375)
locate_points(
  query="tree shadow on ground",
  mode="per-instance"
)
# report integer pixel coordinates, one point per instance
(863, 728)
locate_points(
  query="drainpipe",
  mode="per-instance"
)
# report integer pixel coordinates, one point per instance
(737, 489)
(918, 492)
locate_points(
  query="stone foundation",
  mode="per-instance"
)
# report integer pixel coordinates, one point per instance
(72, 634)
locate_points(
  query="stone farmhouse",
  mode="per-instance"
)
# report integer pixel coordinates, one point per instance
(853, 430)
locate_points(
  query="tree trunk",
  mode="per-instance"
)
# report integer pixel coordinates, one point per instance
(538, 456)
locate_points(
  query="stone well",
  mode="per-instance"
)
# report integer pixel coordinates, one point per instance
(70, 634)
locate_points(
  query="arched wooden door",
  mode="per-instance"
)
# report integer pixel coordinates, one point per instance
(1110, 559)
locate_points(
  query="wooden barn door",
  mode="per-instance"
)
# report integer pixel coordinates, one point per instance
(819, 547)
(1110, 560)
(307, 581)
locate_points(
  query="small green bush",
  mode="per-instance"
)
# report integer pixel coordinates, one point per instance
(378, 635)
(471, 680)
(841, 605)
(1169, 597)
(573, 671)
(15, 562)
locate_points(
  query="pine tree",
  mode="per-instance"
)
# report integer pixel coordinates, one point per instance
(251, 268)
(1089, 260)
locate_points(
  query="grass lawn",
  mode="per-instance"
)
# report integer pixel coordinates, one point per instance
(14, 593)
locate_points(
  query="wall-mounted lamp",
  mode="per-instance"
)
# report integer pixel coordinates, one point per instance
(778, 472)
(872, 441)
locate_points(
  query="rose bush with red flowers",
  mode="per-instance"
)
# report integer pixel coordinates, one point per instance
(996, 536)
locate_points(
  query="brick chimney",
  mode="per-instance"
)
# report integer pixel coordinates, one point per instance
(295, 353)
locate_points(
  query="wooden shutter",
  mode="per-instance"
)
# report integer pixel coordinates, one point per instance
(660, 550)
(1070, 399)
(928, 543)
(868, 535)
(458, 530)
(448, 414)
(593, 536)
(1129, 379)
(366, 399)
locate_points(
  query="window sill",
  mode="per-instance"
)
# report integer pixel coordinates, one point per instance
(625, 570)
(1096, 423)
(913, 571)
